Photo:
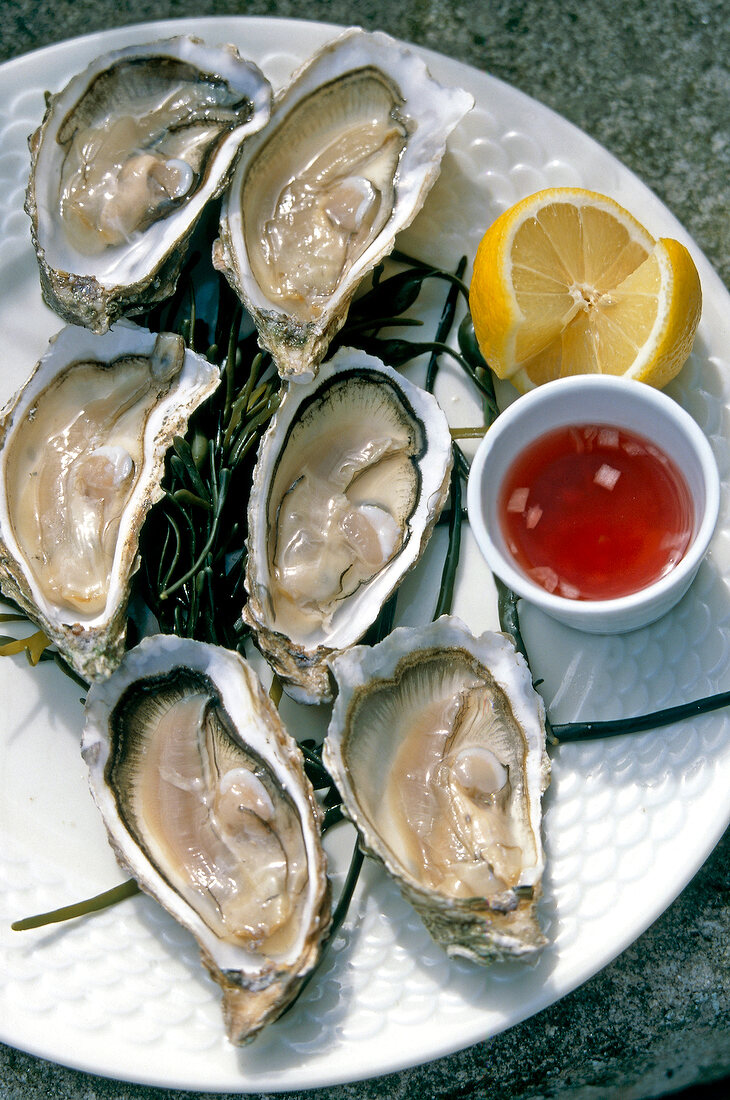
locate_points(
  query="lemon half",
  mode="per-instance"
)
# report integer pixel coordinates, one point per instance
(568, 282)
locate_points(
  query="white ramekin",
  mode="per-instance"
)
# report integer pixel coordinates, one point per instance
(595, 399)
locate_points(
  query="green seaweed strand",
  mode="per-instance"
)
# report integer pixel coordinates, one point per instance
(79, 908)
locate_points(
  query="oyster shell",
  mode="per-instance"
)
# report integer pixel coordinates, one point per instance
(350, 479)
(352, 148)
(127, 156)
(437, 746)
(82, 450)
(206, 804)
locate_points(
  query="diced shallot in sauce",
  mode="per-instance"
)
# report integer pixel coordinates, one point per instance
(595, 512)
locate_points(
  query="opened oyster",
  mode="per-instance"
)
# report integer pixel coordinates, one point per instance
(350, 479)
(437, 746)
(127, 156)
(82, 450)
(353, 145)
(206, 803)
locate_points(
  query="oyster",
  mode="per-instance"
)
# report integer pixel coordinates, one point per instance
(350, 479)
(352, 148)
(127, 156)
(437, 746)
(82, 450)
(206, 804)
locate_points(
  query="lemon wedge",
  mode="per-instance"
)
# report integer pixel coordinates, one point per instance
(568, 282)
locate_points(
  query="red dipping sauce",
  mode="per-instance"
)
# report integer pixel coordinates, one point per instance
(592, 512)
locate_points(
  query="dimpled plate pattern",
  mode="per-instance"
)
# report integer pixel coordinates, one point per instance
(627, 822)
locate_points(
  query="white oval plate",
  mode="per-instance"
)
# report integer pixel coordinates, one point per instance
(627, 821)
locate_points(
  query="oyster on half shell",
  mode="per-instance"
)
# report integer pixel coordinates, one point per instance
(437, 746)
(206, 803)
(127, 156)
(350, 479)
(354, 143)
(82, 451)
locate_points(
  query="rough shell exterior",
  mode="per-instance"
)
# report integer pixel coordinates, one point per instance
(303, 666)
(95, 291)
(256, 989)
(482, 929)
(95, 646)
(427, 111)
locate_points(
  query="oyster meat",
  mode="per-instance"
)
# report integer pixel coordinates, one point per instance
(82, 450)
(350, 479)
(206, 804)
(437, 746)
(127, 156)
(352, 148)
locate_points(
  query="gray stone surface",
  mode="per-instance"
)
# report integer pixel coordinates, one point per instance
(651, 81)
